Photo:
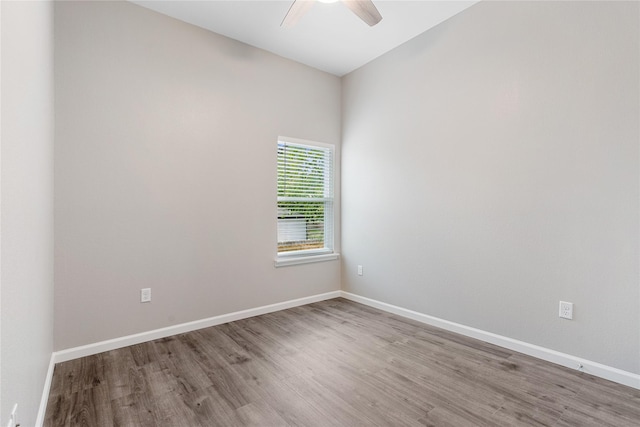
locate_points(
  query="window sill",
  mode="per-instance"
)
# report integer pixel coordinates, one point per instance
(295, 260)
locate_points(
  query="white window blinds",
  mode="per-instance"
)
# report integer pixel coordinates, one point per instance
(305, 197)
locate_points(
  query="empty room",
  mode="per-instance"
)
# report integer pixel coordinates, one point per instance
(311, 213)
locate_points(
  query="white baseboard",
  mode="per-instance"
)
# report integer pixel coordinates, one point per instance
(102, 346)
(45, 392)
(594, 368)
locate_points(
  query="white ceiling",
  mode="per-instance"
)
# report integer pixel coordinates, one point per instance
(329, 37)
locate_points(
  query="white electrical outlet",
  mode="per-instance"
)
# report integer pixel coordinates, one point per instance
(359, 270)
(145, 295)
(566, 310)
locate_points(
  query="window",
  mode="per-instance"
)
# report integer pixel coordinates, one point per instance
(305, 200)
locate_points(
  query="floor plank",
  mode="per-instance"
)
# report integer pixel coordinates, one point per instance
(332, 363)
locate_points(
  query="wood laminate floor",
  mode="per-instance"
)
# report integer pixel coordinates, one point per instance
(333, 363)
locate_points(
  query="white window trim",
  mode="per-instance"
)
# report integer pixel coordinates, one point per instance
(306, 142)
(287, 260)
(284, 259)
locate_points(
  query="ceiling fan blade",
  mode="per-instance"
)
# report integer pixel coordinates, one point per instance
(365, 9)
(296, 11)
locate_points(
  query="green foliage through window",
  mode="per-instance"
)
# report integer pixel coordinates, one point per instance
(305, 197)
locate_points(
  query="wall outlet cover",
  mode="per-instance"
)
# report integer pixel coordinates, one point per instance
(566, 310)
(145, 295)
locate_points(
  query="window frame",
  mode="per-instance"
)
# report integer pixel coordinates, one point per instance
(327, 252)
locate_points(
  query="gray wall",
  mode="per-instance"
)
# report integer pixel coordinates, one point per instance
(26, 261)
(490, 169)
(165, 171)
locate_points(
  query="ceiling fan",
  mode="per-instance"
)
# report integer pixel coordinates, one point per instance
(364, 9)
